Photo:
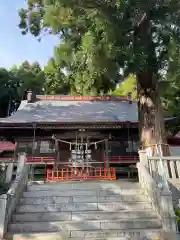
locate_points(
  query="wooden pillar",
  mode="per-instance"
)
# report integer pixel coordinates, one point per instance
(57, 150)
(106, 154)
(33, 140)
(130, 139)
(38, 146)
(15, 151)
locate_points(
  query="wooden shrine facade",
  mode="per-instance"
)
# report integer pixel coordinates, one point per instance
(51, 128)
(117, 143)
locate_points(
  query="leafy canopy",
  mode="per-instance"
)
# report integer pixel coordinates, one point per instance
(127, 86)
(15, 82)
(99, 37)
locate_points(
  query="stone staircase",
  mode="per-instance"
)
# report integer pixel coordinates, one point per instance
(112, 210)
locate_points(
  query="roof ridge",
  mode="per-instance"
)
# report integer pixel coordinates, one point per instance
(82, 98)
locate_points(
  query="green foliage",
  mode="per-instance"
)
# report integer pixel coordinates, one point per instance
(98, 38)
(105, 35)
(3, 185)
(15, 83)
(55, 80)
(31, 77)
(83, 45)
(171, 93)
(8, 86)
(127, 86)
(177, 212)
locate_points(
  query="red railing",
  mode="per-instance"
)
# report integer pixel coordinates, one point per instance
(51, 159)
(121, 159)
(6, 159)
(41, 159)
(7, 146)
(66, 174)
(31, 159)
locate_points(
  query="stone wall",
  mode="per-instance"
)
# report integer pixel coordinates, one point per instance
(175, 189)
(9, 201)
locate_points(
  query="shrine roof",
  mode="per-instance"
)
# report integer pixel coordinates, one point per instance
(68, 109)
(75, 109)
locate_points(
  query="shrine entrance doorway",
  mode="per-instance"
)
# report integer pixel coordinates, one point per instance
(81, 163)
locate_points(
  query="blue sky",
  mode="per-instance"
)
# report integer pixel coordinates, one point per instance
(14, 47)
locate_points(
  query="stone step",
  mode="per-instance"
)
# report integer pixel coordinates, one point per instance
(106, 207)
(80, 192)
(83, 185)
(139, 234)
(92, 215)
(80, 225)
(82, 199)
(128, 234)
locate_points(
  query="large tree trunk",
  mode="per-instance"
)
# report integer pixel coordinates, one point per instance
(151, 120)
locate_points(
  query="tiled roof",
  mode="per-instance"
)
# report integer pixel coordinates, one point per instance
(67, 109)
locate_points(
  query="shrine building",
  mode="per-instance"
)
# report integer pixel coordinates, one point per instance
(80, 131)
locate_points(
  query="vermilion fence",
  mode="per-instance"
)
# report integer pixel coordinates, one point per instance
(51, 159)
(89, 173)
(41, 159)
(120, 160)
(31, 160)
(123, 159)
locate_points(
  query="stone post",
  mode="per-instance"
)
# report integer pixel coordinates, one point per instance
(9, 172)
(3, 204)
(167, 236)
(21, 162)
(107, 154)
(143, 158)
(167, 211)
(143, 161)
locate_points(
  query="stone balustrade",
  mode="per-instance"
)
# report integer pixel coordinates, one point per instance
(160, 198)
(9, 200)
(155, 184)
(9, 171)
(171, 166)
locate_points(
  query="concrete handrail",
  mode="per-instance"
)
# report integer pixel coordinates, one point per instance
(9, 201)
(160, 198)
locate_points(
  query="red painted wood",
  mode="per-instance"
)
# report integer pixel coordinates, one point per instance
(6, 159)
(66, 174)
(112, 159)
(7, 146)
(123, 159)
(40, 159)
(30, 159)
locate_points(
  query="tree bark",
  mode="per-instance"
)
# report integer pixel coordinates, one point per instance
(151, 120)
